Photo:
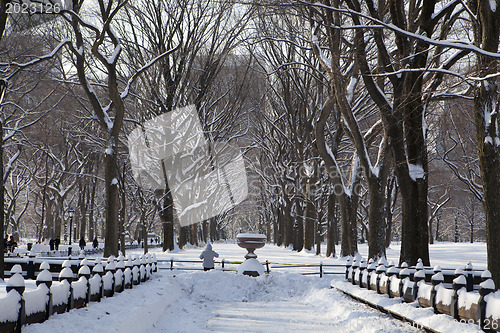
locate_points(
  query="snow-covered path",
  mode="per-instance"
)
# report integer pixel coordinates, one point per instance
(225, 302)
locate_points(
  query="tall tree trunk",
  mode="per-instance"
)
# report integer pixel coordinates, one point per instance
(278, 227)
(288, 223)
(92, 232)
(331, 227)
(376, 216)
(298, 243)
(318, 237)
(309, 216)
(414, 232)
(123, 216)
(145, 236)
(391, 197)
(194, 234)
(348, 212)
(58, 223)
(112, 201)
(486, 108)
(438, 238)
(2, 201)
(167, 219)
(82, 205)
(205, 231)
(183, 236)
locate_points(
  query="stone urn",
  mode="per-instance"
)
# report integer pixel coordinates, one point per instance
(251, 266)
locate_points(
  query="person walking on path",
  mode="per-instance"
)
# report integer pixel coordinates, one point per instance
(95, 243)
(57, 241)
(208, 256)
(51, 244)
(82, 243)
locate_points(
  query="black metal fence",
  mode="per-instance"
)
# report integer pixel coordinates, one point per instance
(229, 266)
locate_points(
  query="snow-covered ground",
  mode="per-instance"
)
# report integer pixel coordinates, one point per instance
(216, 301)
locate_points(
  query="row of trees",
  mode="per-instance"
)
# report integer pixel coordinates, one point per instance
(369, 101)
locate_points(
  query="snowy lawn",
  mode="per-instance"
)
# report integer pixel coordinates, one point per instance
(447, 255)
(284, 301)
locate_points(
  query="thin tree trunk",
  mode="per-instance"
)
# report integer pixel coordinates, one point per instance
(391, 197)
(309, 217)
(438, 238)
(288, 223)
(145, 236)
(123, 216)
(92, 232)
(298, 243)
(332, 227)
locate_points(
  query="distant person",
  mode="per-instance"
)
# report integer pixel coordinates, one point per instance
(95, 243)
(11, 244)
(208, 257)
(82, 243)
(57, 241)
(5, 241)
(51, 244)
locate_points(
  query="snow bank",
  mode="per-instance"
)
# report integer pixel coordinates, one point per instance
(79, 288)
(423, 316)
(493, 305)
(118, 277)
(127, 275)
(466, 299)
(95, 284)
(107, 281)
(424, 290)
(36, 300)
(395, 284)
(9, 306)
(251, 265)
(60, 292)
(443, 295)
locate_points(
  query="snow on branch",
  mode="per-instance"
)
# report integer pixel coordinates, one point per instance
(144, 68)
(452, 44)
(38, 59)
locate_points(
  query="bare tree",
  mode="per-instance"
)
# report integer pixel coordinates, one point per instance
(99, 47)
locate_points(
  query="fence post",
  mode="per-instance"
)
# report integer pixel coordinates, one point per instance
(486, 287)
(222, 263)
(469, 276)
(66, 274)
(171, 264)
(320, 269)
(267, 267)
(30, 267)
(44, 277)
(16, 282)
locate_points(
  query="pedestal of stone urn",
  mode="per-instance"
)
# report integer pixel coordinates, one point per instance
(251, 266)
